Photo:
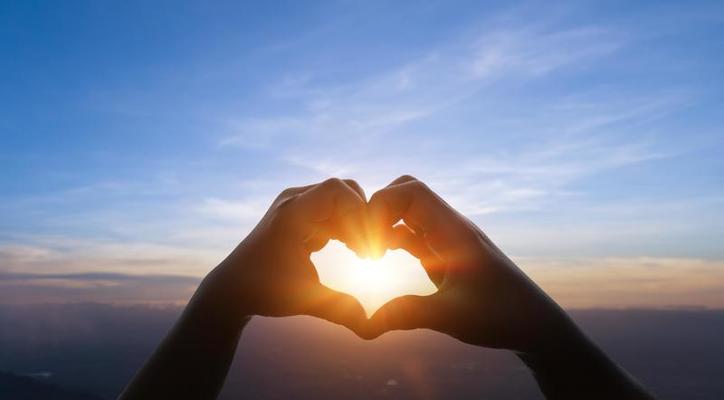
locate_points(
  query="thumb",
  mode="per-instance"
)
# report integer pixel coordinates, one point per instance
(406, 312)
(336, 307)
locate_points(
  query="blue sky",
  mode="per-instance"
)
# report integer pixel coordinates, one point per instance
(584, 137)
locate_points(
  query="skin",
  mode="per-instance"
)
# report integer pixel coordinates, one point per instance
(482, 299)
(269, 274)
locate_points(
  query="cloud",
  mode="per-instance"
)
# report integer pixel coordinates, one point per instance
(532, 52)
(234, 211)
(447, 117)
(29, 288)
(581, 282)
(620, 282)
(631, 226)
(75, 255)
(323, 166)
(420, 88)
(95, 277)
(259, 133)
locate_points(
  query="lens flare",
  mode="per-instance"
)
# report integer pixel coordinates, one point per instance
(372, 281)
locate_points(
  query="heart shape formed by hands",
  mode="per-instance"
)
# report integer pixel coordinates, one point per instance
(371, 281)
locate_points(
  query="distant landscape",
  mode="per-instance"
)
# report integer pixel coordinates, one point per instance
(90, 350)
(142, 141)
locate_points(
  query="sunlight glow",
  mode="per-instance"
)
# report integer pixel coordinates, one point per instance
(372, 282)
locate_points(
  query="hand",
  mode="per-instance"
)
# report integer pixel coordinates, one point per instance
(271, 270)
(269, 273)
(482, 297)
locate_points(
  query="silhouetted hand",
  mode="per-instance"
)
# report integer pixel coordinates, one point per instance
(484, 299)
(271, 268)
(269, 273)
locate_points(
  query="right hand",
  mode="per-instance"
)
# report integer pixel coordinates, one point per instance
(482, 298)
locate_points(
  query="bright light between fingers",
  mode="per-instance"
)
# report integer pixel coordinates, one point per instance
(372, 282)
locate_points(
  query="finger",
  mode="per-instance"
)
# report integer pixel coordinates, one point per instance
(317, 240)
(356, 187)
(404, 238)
(336, 307)
(406, 312)
(353, 228)
(364, 250)
(402, 179)
(292, 191)
(334, 203)
(377, 235)
(326, 200)
(410, 200)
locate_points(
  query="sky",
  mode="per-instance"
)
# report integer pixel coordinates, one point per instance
(139, 142)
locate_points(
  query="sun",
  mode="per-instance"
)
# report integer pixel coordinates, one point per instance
(372, 282)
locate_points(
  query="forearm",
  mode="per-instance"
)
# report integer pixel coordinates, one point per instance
(573, 367)
(193, 359)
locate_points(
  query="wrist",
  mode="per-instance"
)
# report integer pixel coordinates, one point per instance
(234, 277)
(574, 367)
(557, 345)
(221, 296)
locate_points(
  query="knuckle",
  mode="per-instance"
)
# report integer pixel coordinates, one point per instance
(350, 205)
(285, 196)
(376, 196)
(284, 202)
(351, 182)
(333, 182)
(406, 178)
(419, 186)
(286, 192)
(277, 217)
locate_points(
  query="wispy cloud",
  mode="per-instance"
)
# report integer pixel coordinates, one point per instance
(67, 254)
(441, 78)
(27, 288)
(232, 211)
(369, 129)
